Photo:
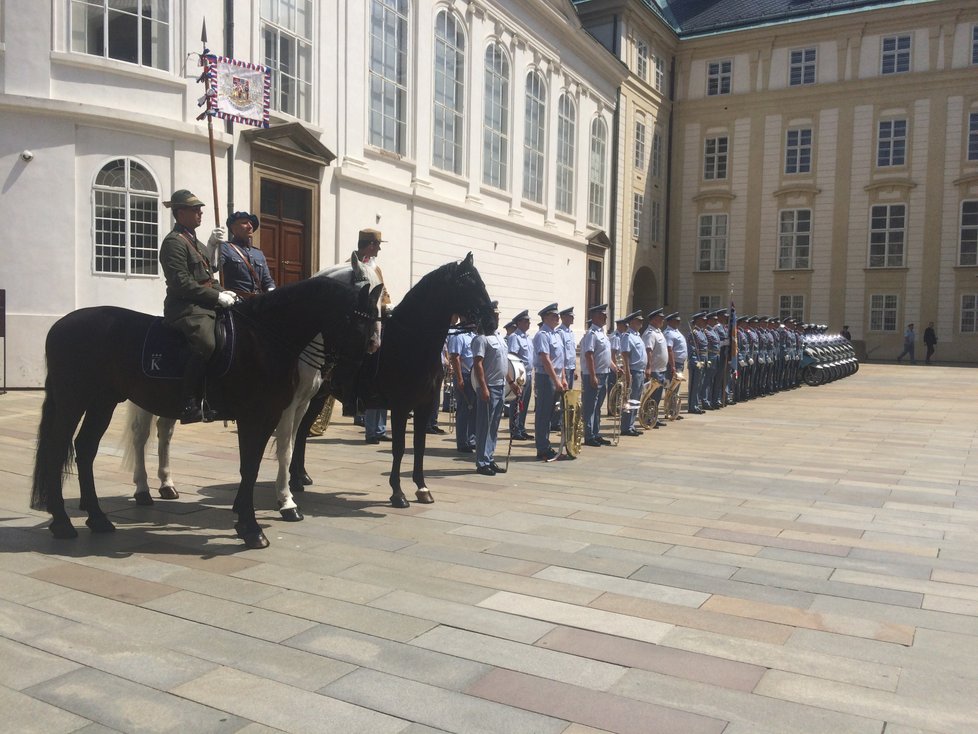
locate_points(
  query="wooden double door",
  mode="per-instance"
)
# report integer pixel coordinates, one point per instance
(284, 213)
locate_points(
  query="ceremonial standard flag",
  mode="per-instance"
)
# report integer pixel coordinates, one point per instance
(732, 328)
(238, 91)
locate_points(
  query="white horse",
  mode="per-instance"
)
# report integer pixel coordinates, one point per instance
(310, 380)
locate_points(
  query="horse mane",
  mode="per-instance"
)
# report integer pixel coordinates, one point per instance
(310, 292)
(422, 290)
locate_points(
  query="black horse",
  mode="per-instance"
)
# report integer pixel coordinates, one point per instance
(406, 373)
(94, 363)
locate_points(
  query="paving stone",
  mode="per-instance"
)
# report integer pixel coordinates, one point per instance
(582, 559)
(103, 583)
(312, 583)
(22, 713)
(625, 587)
(832, 588)
(770, 594)
(450, 711)
(529, 585)
(439, 588)
(388, 656)
(614, 713)
(283, 707)
(16, 587)
(25, 665)
(127, 706)
(20, 622)
(888, 614)
(574, 669)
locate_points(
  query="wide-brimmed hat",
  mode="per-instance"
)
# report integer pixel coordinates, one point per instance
(183, 199)
(244, 215)
(369, 236)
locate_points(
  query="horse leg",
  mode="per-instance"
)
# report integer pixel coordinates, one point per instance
(97, 419)
(53, 457)
(287, 506)
(399, 428)
(139, 424)
(164, 434)
(298, 477)
(252, 439)
(422, 414)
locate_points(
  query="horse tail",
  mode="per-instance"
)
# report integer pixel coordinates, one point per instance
(48, 452)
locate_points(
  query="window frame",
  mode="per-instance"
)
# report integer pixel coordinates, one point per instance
(638, 148)
(141, 20)
(969, 310)
(392, 135)
(886, 238)
(900, 59)
(448, 93)
(968, 233)
(883, 310)
(795, 307)
(798, 153)
(659, 73)
(655, 220)
(597, 172)
(803, 65)
(535, 156)
(656, 154)
(566, 154)
(497, 128)
(303, 90)
(795, 239)
(711, 246)
(891, 148)
(638, 207)
(708, 303)
(715, 160)
(642, 60)
(974, 44)
(971, 153)
(719, 77)
(152, 209)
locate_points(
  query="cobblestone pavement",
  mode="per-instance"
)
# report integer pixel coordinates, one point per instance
(801, 563)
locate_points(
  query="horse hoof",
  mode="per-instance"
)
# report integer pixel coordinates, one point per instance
(100, 524)
(399, 501)
(254, 538)
(424, 497)
(169, 493)
(293, 514)
(306, 479)
(143, 499)
(63, 530)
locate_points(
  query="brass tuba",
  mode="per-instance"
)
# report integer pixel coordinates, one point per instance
(671, 399)
(648, 408)
(319, 426)
(572, 423)
(616, 402)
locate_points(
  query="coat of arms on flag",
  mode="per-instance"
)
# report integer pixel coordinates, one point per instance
(238, 90)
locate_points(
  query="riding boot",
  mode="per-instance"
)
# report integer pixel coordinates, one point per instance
(192, 376)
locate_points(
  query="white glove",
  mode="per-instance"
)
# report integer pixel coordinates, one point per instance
(218, 235)
(226, 299)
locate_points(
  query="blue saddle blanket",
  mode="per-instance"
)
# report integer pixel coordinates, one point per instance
(166, 351)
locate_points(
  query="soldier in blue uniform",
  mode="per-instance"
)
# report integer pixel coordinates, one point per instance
(595, 368)
(678, 349)
(711, 394)
(548, 357)
(519, 344)
(460, 359)
(244, 269)
(569, 341)
(633, 351)
(699, 353)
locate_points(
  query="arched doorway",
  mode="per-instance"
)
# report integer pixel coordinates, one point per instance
(645, 290)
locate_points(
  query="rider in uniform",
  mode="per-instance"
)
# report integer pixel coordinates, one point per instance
(192, 295)
(244, 269)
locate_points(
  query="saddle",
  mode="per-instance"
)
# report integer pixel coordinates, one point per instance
(166, 351)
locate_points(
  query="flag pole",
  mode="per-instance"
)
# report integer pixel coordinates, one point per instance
(210, 132)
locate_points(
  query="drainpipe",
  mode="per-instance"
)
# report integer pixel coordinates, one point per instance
(668, 217)
(615, 141)
(228, 127)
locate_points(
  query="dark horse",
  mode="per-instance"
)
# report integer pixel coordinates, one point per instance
(405, 374)
(94, 363)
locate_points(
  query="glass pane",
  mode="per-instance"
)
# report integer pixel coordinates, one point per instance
(123, 37)
(87, 29)
(113, 174)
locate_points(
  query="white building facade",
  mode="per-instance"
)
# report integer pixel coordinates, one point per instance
(451, 126)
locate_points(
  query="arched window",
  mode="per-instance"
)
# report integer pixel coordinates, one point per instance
(388, 75)
(125, 210)
(495, 151)
(449, 94)
(534, 138)
(566, 136)
(596, 173)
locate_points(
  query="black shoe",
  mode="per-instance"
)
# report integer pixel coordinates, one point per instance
(384, 437)
(632, 432)
(436, 430)
(525, 437)
(487, 471)
(593, 442)
(466, 450)
(373, 439)
(548, 455)
(358, 421)
(603, 441)
(496, 468)
(191, 412)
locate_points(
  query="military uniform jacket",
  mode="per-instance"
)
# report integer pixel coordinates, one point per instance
(712, 341)
(238, 261)
(566, 337)
(190, 287)
(633, 348)
(597, 342)
(699, 344)
(547, 342)
(519, 344)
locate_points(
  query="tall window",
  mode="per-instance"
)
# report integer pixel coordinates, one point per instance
(969, 313)
(656, 155)
(968, 246)
(798, 151)
(638, 203)
(639, 157)
(566, 136)
(718, 77)
(286, 37)
(655, 220)
(495, 144)
(895, 55)
(660, 73)
(886, 236)
(126, 30)
(795, 239)
(791, 307)
(534, 137)
(802, 68)
(388, 74)
(974, 44)
(125, 209)
(642, 60)
(712, 242)
(448, 113)
(709, 303)
(715, 159)
(973, 136)
(882, 312)
(596, 173)
(891, 148)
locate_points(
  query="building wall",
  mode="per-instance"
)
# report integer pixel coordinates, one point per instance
(843, 109)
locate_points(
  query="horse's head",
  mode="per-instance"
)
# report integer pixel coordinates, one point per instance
(473, 302)
(361, 275)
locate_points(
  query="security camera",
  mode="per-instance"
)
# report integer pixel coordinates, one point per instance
(27, 156)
